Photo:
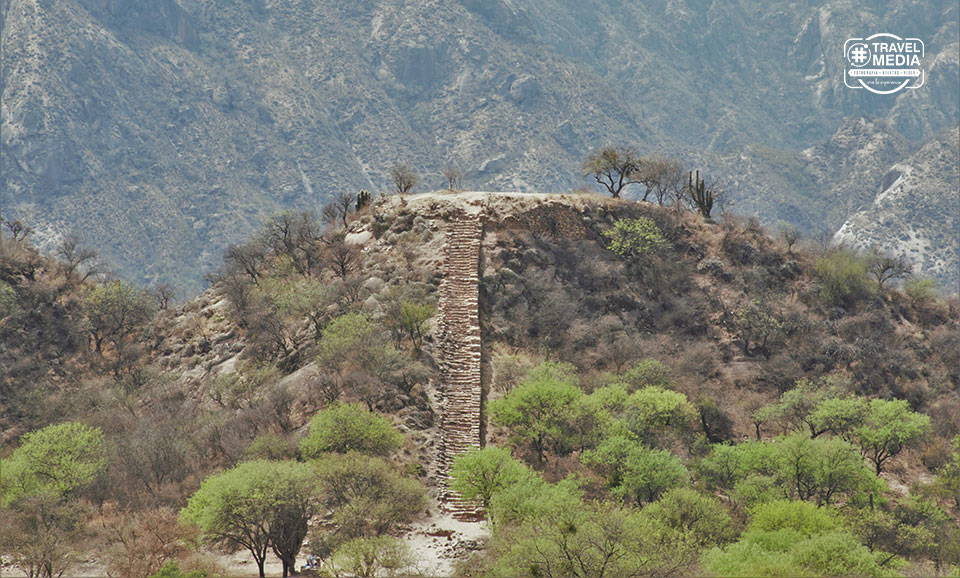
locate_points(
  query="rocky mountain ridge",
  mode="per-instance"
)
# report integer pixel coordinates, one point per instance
(184, 123)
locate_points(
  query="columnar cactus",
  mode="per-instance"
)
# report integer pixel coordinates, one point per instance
(701, 195)
(363, 199)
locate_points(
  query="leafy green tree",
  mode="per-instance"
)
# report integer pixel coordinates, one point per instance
(794, 466)
(58, 459)
(754, 325)
(635, 471)
(729, 464)
(345, 342)
(565, 537)
(796, 539)
(347, 427)
(257, 506)
(647, 372)
(413, 318)
(701, 519)
(114, 311)
(888, 428)
(407, 319)
(302, 297)
(947, 482)
(905, 531)
(820, 469)
(796, 406)
(839, 415)
(39, 484)
(613, 167)
(538, 412)
(530, 497)
(481, 473)
(371, 557)
(641, 243)
(364, 497)
(652, 409)
(358, 352)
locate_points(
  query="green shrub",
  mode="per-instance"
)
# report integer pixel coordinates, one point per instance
(635, 471)
(8, 300)
(843, 279)
(350, 427)
(646, 373)
(637, 238)
(920, 289)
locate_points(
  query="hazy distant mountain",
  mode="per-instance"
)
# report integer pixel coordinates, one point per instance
(161, 130)
(915, 213)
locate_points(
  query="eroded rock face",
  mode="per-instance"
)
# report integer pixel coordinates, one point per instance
(914, 214)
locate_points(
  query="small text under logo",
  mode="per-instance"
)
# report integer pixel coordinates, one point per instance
(883, 63)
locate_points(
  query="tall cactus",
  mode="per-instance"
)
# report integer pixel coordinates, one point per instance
(363, 199)
(701, 195)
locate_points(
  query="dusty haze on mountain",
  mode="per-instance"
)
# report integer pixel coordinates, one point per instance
(162, 130)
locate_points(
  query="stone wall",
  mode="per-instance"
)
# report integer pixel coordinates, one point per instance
(459, 345)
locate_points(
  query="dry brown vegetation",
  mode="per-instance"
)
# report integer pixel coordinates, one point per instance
(735, 316)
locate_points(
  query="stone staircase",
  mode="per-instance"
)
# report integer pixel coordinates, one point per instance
(459, 347)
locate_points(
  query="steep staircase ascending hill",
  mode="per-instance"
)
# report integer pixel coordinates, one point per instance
(459, 346)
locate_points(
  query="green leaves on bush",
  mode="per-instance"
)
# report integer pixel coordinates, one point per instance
(58, 459)
(797, 539)
(481, 473)
(257, 506)
(843, 279)
(342, 428)
(638, 238)
(635, 471)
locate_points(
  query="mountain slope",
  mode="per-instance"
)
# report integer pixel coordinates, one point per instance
(914, 214)
(182, 123)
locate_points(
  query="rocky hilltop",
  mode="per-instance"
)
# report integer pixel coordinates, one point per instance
(182, 124)
(569, 334)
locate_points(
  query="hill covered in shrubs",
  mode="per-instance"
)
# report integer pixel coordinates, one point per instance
(664, 396)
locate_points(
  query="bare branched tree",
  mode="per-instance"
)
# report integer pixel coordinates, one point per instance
(296, 236)
(338, 208)
(454, 178)
(664, 177)
(883, 267)
(247, 258)
(342, 257)
(404, 178)
(78, 261)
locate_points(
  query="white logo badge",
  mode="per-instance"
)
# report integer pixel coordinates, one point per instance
(883, 63)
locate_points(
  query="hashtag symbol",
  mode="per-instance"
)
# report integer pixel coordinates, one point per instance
(858, 54)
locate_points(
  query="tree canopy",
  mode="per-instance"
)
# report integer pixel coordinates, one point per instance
(347, 427)
(257, 506)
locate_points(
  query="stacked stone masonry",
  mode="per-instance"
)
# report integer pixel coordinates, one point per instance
(459, 346)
